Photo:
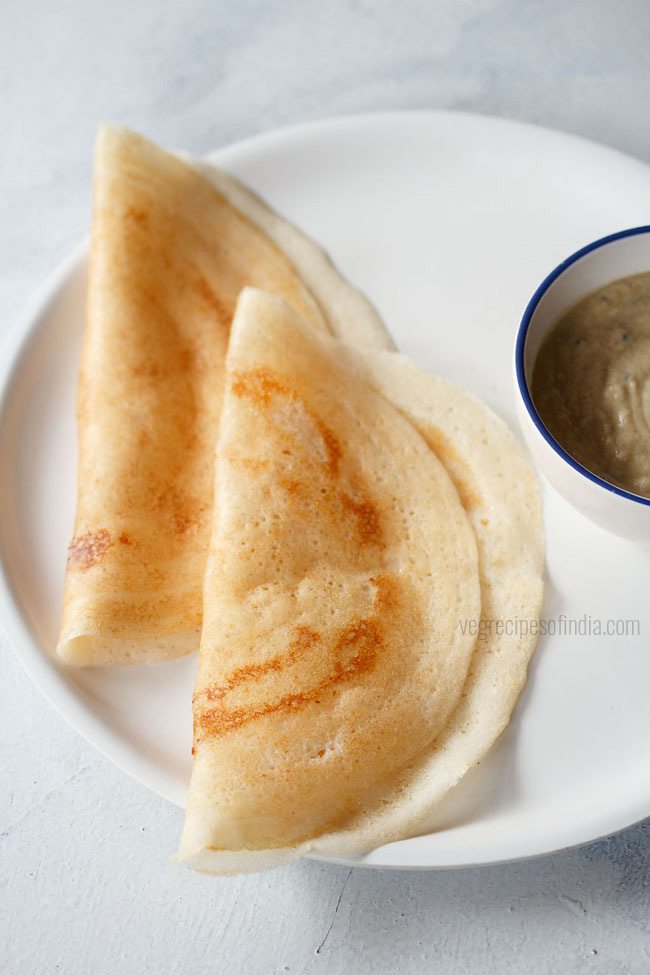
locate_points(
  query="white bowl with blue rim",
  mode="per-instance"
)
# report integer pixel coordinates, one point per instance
(599, 263)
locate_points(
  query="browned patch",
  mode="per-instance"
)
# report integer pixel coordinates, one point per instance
(183, 511)
(138, 215)
(305, 639)
(185, 360)
(332, 446)
(463, 481)
(364, 636)
(125, 539)
(223, 311)
(290, 485)
(386, 597)
(183, 520)
(148, 370)
(87, 550)
(367, 518)
(440, 444)
(262, 385)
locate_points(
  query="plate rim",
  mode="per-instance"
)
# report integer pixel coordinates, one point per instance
(38, 663)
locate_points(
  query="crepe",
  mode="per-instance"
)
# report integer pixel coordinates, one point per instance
(169, 257)
(340, 566)
(500, 495)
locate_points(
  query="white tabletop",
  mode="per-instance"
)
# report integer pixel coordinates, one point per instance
(86, 884)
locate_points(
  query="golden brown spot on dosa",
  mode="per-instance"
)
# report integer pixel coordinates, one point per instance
(184, 361)
(332, 446)
(262, 385)
(290, 485)
(367, 518)
(87, 550)
(305, 639)
(138, 215)
(363, 636)
(463, 482)
(386, 596)
(125, 539)
(183, 511)
(364, 511)
(224, 312)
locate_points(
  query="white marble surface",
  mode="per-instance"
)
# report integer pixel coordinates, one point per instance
(86, 885)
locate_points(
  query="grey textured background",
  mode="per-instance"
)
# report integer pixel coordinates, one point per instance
(85, 881)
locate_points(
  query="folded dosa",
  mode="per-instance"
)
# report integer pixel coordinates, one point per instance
(341, 567)
(169, 255)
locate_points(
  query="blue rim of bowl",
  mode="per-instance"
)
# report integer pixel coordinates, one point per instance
(520, 345)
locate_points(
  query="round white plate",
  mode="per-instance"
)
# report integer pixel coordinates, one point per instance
(448, 222)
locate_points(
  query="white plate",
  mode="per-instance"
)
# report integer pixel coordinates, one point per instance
(448, 222)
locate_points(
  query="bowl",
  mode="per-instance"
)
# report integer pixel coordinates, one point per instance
(628, 252)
